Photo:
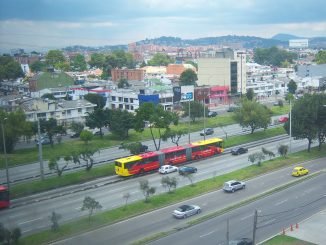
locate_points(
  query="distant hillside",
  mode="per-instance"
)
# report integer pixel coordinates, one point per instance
(244, 41)
(285, 37)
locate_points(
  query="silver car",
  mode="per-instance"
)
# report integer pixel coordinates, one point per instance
(186, 210)
(233, 185)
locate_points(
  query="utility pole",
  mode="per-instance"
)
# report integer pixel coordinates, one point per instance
(255, 228)
(189, 122)
(290, 126)
(227, 231)
(40, 153)
(204, 120)
(5, 153)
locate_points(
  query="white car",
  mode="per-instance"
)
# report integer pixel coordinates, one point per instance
(185, 211)
(165, 169)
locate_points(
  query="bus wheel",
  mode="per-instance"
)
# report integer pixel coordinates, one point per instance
(197, 157)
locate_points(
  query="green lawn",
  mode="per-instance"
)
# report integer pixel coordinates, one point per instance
(286, 240)
(158, 201)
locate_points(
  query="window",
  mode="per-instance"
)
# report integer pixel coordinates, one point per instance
(120, 99)
(125, 99)
(120, 106)
(127, 107)
(79, 110)
(131, 100)
(113, 98)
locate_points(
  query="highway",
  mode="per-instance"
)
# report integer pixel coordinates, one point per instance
(32, 213)
(32, 171)
(306, 195)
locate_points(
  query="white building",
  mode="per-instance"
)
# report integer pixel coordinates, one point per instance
(298, 43)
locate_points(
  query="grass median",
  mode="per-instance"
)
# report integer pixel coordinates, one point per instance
(158, 201)
(81, 176)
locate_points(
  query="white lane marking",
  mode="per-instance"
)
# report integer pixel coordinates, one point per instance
(28, 221)
(269, 221)
(207, 234)
(26, 230)
(246, 217)
(78, 208)
(281, 202)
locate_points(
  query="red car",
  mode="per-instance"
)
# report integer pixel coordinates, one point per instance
(283, 119)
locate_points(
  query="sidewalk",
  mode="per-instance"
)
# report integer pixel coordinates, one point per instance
(311, 230)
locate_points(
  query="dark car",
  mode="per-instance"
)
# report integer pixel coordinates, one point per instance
(239, 150)
(212, 114)
(187, 170)
(242, 241)
(98, 133)
(44, 141)
(143, 148)
(207, 131)
(232, 108)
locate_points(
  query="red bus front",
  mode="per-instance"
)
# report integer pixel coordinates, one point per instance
(4, 197)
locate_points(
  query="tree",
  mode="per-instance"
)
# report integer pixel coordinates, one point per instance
(160, 59)
(308, 118)
(37, 66)
(134, 147)
(159, 121)
(292, 86)
(86, 155)
(48, 96)
(91, 205)
(78, 63)
(97, 60)
(54, 218)
(86, 136)
(99, 118)
(97, 99)
(126, 196)
(273, 56)
(169, 183)
(283, 150)
(121, 121)
(123, 83)
(192, 63)
(267, 152)
(320, 57)
(15, 126)
(174, 135)
(9, 68)
(55, 58)
(190, 177)
(7, 236)
(146, 189)
(50, 127)
(252, 114)
(77, 127)
(258, 156)
(188, 77)
(196, 109)
(250, 94)
(54, 164)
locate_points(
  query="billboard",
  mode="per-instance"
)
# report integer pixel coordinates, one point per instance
(176, 94)
(154, 98)
(187, 93)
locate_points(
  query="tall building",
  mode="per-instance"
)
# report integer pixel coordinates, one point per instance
(298, 43)
(223, 70)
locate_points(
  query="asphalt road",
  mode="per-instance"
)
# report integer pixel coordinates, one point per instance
(67, 201)
(295, 198)
(29, 171)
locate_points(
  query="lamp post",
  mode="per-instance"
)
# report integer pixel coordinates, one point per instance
(189, 121)
(241, 53)
(290, 125)
(5, 152)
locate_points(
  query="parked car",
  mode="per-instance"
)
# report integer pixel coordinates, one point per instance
(212, 114)
(185, 211)
(207, 131)
(187, 170)
(165, 169)
(233, 185)
(44, 141)
(98, 133)
(299, 171)
(74, 135)
(242, 241)
(283, 119)
(239, 150)
(143, 148)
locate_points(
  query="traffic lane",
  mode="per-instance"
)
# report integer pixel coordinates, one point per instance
(113, 193)
(289, 206)
(162, 220)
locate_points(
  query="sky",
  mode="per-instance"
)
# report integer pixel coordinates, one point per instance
(49, 24)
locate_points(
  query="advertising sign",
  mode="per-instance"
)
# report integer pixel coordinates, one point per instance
(187, 93)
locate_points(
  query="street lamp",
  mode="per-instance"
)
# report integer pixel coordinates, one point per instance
(5, 152)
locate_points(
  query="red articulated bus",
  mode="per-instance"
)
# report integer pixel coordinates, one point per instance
(175, 155)
(4, 197)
